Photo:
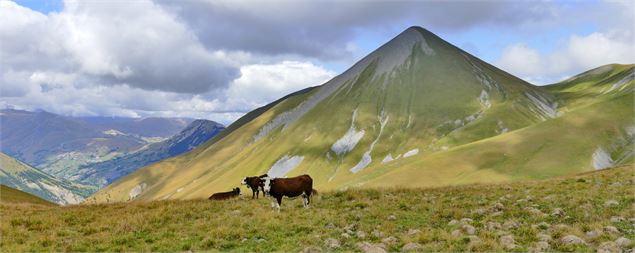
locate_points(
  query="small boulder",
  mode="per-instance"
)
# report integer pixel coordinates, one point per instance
(572, 240)
(543, 237)
(468, 229)
(332, 243)
(508, 242)
(392, 217)
(623, 242)
(453, 222)
(311, 249)
(608, 247)
(330, 226)
(510, 224)
(389, 240)
(611, 202)
(617, 219)
(492, 225)
(557, 212)
(540, 246)
(377, 233)
(466, 221)
(411, 246)
(592, 234)
(368, 247)
(360, 234)
(611, 230)
(412, 232)
(498, 207)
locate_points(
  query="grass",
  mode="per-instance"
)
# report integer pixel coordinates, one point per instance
(247, 225)
(11, 196)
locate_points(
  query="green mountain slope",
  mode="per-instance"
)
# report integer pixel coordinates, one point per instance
(416, 112)
(11, 196)
(21, 176)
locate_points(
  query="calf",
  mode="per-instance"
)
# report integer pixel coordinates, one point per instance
(256, 184)
(289, 187)
(225, 195)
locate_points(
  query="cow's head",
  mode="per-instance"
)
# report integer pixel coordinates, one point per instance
(237, 191)
(267, 184)
(244, 182)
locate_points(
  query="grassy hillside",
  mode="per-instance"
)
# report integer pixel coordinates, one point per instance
(18, 175)
(416, 112)
(596, 207)
(10, 196)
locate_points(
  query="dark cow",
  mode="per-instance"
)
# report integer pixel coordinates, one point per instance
(225, 195)
(289, 187)
(255, 184)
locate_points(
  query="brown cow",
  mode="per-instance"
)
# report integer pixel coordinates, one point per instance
(255, 184)
(289, 187)
(225, 195)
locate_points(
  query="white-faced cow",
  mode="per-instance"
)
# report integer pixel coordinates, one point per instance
(255, 184)
(225, 195)
(289, 187)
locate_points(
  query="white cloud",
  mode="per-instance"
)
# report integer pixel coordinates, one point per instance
(262, 83)
(579, 54)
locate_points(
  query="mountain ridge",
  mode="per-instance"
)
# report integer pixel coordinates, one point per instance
(389, 118)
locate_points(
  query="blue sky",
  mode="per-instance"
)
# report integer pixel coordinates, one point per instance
(240, 55)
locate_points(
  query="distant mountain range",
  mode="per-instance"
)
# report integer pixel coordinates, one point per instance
(93, 151)
(103, 173)
(416, 112)
(18, 175)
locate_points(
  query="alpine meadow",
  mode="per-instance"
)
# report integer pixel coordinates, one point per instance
(282, 126)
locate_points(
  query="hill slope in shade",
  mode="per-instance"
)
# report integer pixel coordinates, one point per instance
(18, 175)
(416, 112)
(12, 196)
(103, 173)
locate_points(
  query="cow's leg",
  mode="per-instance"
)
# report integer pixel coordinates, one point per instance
(279, 202)
(273, 204)
(253, 194)
(257, 193)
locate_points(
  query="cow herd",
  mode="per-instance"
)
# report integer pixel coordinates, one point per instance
(275, 188)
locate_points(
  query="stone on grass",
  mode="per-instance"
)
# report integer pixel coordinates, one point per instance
(345, 235)
(508, 242)
(368, 247)
(540, 246)
(330, 226)
(572, 240)
(377, 233)
(411, 246)
(498, 207)
(592, 234)
(456, 233)
(492, 225)
(361, 234)
(469, 229)
(453, 222)
(623, 241)
(543, 237)
(332, 243)
(412, 232)
(611, 230)
(312, 249)
(392, 217)
(389, 240)
(617, 219)
(608, 247)
(466, 221)
(510, 224)
(557, 212)
(611, 202)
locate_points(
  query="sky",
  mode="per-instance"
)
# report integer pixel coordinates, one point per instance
(218, 59)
